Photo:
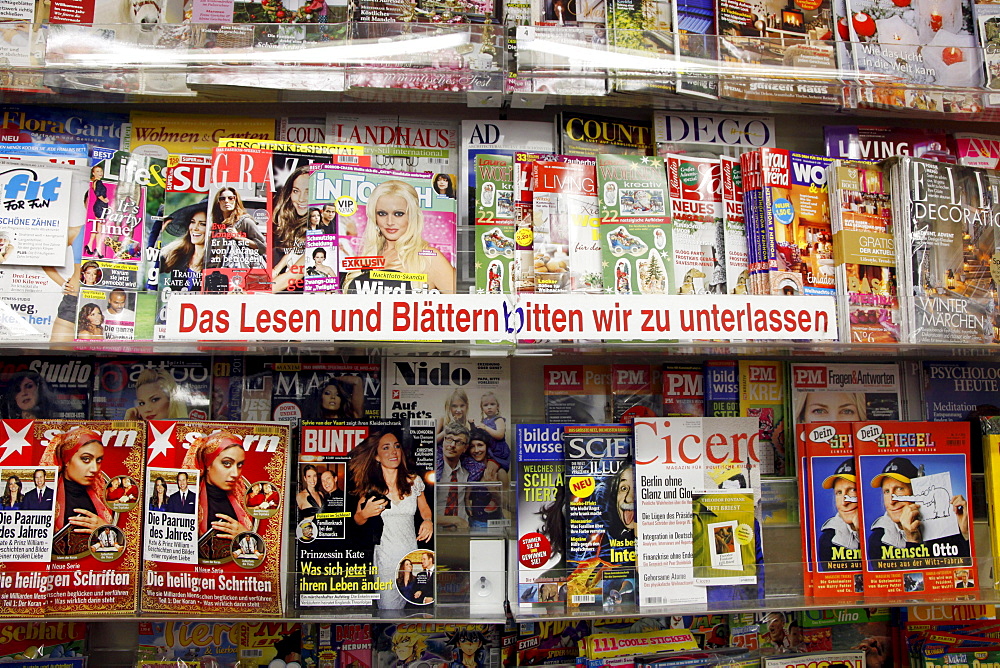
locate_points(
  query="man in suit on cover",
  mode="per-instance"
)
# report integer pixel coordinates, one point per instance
(181, 501)
(40, 498)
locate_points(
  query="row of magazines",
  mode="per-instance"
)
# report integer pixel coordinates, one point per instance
(400, 493)
(95, 238)
(864, 637)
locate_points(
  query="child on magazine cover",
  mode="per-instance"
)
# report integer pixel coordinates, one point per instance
(495, 425)
(456, 409)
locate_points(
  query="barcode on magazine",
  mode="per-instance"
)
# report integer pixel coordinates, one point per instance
(653, 600)
(422, 422)
(498, 523)
(584, 598)
(252, 653)
(347, 159)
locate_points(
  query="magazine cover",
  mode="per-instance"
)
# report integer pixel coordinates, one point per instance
(44, 124)
(600, 510)
(762, 395)
(577, 393)
(723, 541)
(589, 135)
(357, 540)
(710, 135)
(173, 389)
(695, 192)
(977, 150)
(469, 402)
(495, 249)
(159, 134)
(864, 253)
(845, 392)
(42, 194)
(550, 641)
(524, 235)
(189, 641)
(72, 521)
(797, 217)
(111, 313)
(916, 509)
(696, 26)
(43, 640)
(46, 388)
(734, 226)
(751, 171)
(408, 144)
(396, 234)
(183, 234)
(324, 391)
(259, 215)
(673, 461)
(262, 644)
(344, 645)
(124, 209)
(494, 138)
(831, 493)
(945, 241)
(921, 42)
(541, 542)
(878, 142)
(413, 644)
(637, 244)
(722, 389)
(960, 391)
(683, 390)
(636, 391)
(777, 35)
(566, 228)
(855, 659)
(213, 523)
(302, 129)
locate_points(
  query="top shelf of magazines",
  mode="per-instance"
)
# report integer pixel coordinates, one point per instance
(922, 56)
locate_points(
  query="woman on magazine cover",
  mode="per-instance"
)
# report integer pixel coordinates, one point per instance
(308, 500)
(406, 581)
(12, 497)
(394, 231)
(230, 216)
(79, 502)
(182, 260)
(28, 397)
(99, 189)
(219, 458)
(830, 407)
(291, 218)
(90, 273)
(90, 323)
(158, 500)
(443, 186)
(340, 398)
(484, 503)
(157, 397)
(380, 472)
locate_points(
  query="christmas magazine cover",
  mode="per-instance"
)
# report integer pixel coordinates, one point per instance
(71, 513)
(213, 518)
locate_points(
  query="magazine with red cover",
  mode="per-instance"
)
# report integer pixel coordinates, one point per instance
(70, 517)
(213, 521)
(916, 510)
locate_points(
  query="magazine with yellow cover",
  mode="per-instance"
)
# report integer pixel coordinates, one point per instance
(157, 134)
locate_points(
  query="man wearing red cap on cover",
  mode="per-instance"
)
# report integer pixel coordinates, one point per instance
(900, 526)
(838, 539)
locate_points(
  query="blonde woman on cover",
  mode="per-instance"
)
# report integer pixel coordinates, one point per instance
(395, 232)
(157, 397)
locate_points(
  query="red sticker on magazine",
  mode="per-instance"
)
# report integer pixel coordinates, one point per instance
(534, 550)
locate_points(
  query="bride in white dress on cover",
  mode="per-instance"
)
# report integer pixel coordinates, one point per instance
(379, 467)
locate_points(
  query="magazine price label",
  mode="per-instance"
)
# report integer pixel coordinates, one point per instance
(263, 317)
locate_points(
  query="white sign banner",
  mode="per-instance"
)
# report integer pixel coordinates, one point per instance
(264, 317)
